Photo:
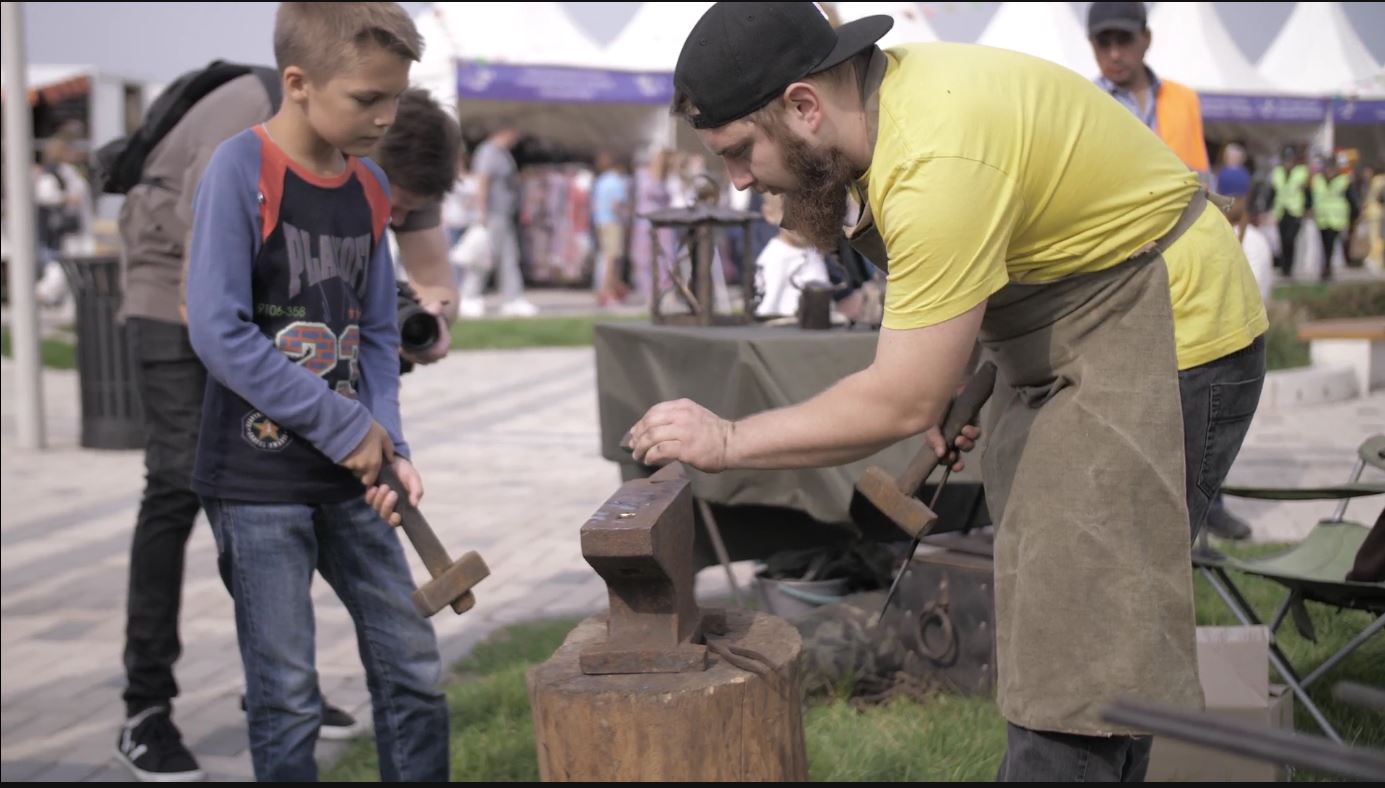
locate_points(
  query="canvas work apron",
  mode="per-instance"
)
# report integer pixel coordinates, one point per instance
(1084, 476)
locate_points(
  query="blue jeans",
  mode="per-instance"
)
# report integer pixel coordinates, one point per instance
(1219, 399)
(270, 552)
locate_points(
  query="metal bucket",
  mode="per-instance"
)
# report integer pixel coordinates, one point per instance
(793, 599)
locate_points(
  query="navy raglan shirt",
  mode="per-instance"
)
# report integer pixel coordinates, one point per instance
(292, 308)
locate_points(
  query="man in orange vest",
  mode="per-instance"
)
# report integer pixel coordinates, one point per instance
(1120, 37)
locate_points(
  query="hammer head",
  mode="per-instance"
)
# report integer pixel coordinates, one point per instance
(452, 587)
(878, 496)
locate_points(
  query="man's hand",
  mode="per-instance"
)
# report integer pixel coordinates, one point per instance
(375, 449)
(439, 349)
(966, 441)
(683, 431)
(383, 499)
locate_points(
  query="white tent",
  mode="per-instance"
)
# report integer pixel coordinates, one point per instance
(517, 33)
(1318, 53)
(529, 63)
(1047, 30)
(650, 43)
(1370, 86)
(437, 71)
(1191, 45)
(910, 27)
(502, 33)
(653, 38)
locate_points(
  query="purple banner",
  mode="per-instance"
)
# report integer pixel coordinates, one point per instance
(1359, 113)
(1262, 109)
(561, 84)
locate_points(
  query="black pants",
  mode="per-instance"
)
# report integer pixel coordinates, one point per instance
(171, 381)
(1288, 237)
(1043, 756)
(1329, 240)
(1219, 399)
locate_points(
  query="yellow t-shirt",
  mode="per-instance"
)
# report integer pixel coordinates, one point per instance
(993, 167)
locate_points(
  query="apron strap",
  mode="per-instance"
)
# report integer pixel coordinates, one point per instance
(1185, 220)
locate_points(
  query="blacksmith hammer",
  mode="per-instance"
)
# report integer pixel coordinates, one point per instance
(452, 581)
(880, 495)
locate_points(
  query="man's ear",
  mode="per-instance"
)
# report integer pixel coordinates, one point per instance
(803, 104)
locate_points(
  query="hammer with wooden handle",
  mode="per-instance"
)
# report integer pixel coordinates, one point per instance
(880, 495)
(452, 581)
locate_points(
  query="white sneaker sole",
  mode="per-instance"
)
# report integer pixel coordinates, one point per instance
(156, 777)
(337, 733)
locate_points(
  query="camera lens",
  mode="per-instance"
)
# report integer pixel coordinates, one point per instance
(418, 331)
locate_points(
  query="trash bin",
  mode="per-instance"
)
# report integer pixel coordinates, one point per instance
(112, 416)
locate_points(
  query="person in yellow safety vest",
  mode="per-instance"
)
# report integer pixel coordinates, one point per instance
(1373, 214)
(1290, 181)
(1331, 211)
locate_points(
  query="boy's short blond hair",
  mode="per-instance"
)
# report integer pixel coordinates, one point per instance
(325, 38)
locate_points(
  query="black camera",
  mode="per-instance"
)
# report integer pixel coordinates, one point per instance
(419, 329)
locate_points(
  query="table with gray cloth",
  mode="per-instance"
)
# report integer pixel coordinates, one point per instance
(741, 370)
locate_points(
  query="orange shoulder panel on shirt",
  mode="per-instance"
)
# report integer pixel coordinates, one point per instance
(377, 197)
(273, 164)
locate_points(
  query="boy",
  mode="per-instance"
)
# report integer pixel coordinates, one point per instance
(291, 301)
(416, 154)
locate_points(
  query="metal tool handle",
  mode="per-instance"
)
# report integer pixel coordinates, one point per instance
(962, 411)
(1249, 740)
(425, 542)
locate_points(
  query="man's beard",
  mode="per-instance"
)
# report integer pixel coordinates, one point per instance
(817, 207)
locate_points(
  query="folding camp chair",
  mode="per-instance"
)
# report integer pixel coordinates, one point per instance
(1314, 570)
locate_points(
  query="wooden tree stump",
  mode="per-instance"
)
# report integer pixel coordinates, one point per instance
(724, 723)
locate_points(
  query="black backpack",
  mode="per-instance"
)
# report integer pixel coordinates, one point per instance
(119, 164)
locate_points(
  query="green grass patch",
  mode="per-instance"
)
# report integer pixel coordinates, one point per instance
(1293, 304)
(485, 334)
(492, 731)
(948, 738)
(1333, 629)
(56, 353)
(1317, 301)
(521, 332)
(1283, 348)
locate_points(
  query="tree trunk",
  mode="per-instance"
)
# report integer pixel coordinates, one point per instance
(724, 723)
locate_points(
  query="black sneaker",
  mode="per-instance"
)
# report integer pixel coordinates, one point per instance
(336, 724)
(152, 748)
(1226, 525)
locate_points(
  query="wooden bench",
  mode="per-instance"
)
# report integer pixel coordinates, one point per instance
(1358, 343)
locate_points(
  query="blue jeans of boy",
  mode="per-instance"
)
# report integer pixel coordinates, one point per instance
(270, 552)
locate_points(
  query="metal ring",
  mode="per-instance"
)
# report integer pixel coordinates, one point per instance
(934, 611)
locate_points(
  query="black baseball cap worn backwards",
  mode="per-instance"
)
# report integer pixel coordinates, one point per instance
(740, 56)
